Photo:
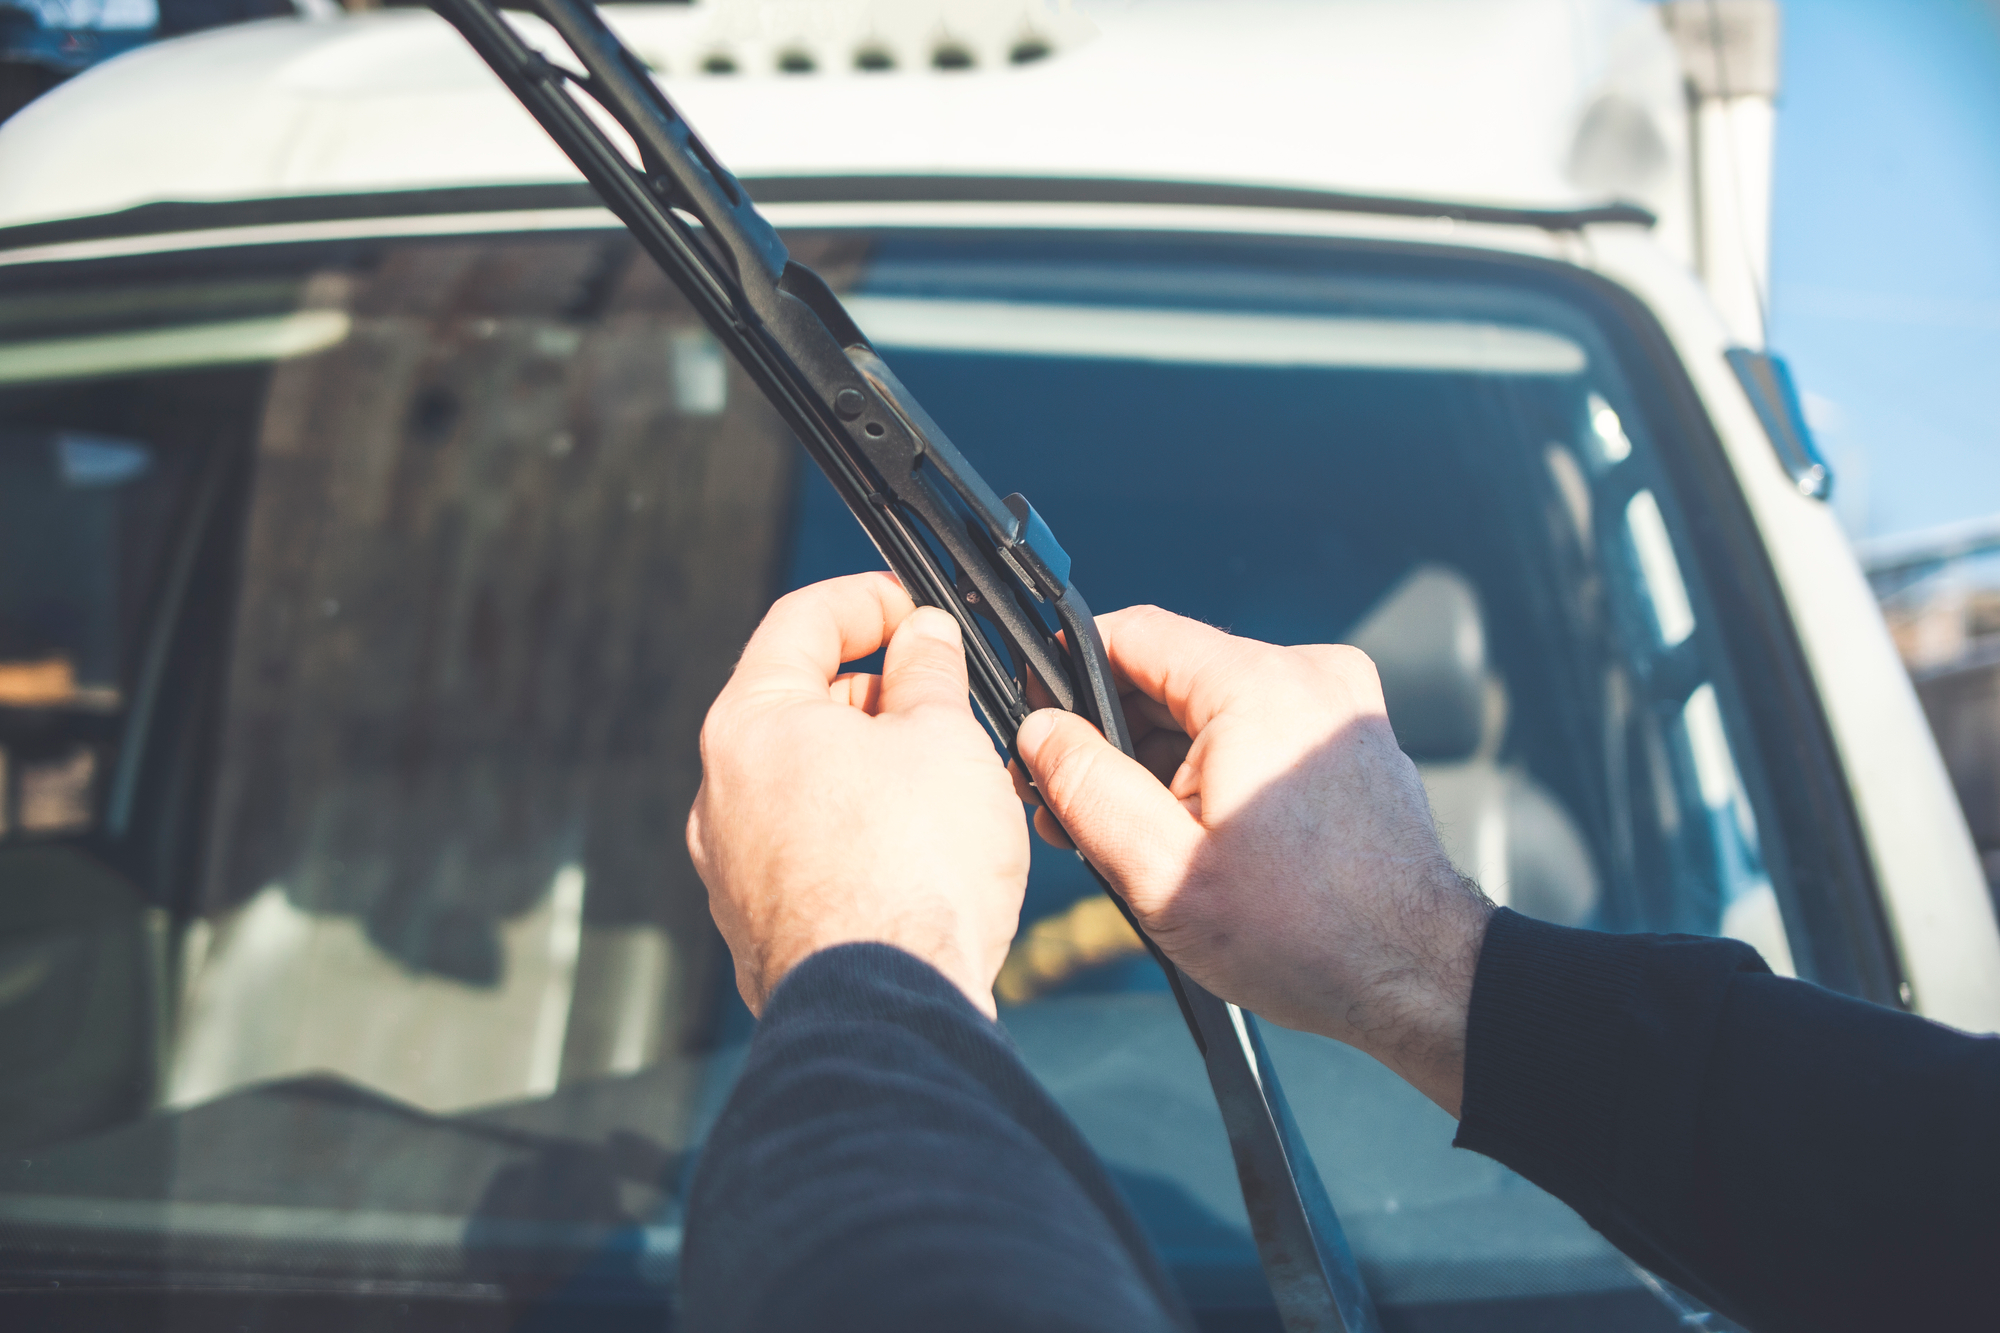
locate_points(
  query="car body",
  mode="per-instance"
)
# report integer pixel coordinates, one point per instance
(388, 526)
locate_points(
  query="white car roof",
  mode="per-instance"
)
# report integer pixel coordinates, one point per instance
(1476, 101)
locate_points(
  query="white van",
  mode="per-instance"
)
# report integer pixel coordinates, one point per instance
(376, 525)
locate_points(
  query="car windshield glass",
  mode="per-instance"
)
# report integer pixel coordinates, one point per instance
(359, 607)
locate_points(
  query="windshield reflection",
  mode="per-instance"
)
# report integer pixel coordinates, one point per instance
(359, 610)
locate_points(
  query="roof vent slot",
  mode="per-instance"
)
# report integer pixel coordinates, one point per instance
(1029, 49)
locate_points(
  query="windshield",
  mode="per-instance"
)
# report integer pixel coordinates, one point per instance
(359, 607)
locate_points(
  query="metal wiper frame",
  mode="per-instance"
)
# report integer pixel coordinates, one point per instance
(951, 539)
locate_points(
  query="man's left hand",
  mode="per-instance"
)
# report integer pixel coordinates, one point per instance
(839, 809)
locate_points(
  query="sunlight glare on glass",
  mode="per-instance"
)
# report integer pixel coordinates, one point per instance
(1609, 431)
(1673, 614)
(1214, 337)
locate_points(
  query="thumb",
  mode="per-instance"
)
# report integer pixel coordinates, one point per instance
(924, 663)
(1117, 813)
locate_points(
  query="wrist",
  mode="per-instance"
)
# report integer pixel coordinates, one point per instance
(1418, 1009)
(949, 959)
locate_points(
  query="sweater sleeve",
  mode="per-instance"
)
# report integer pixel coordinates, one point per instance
(1799, 1159)
(887, 1163)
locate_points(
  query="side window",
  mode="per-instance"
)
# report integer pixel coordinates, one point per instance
(1703, 831)
(108, 486)
(68, 501)
(74, 965)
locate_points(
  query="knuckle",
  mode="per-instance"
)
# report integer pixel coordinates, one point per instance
(1237, 670)
(1146, 613)
(1342, 662)
(936, 657)
(1355, 671)
(714, 730)
(693, 835)
(1345, 657)
(1066, 771)
(932, 673)
(722, 734)
(795, 598)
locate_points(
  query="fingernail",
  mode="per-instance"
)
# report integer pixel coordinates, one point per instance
(929, 622)
(1035, 730)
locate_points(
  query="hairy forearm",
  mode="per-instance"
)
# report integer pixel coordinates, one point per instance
(1411, 1013)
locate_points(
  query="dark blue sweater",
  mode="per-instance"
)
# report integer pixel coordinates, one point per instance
(1798, 1159)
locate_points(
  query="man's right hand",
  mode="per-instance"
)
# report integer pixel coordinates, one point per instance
(1290, 864)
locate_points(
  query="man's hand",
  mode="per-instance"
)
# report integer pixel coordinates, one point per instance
(837, 809)
(1290, 864)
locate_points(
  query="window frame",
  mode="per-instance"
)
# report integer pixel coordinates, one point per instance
(1814, 844)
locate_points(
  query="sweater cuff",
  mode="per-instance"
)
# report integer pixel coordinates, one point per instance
(1541, 1039)
(876, 981)
(865, 1010)
(1580, 1044)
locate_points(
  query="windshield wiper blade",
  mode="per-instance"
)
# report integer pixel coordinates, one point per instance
(951, 539)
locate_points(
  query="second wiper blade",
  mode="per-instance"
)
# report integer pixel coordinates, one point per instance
(952, 540)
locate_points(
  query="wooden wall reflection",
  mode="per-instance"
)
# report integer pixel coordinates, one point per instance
(505, 542)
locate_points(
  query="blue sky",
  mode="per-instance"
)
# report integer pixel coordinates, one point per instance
(1885, 268)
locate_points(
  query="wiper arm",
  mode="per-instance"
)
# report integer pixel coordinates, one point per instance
(951, 539)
